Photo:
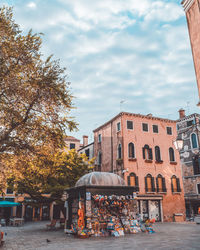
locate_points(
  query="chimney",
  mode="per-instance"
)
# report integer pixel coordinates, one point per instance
(181, 113)
(85, 140)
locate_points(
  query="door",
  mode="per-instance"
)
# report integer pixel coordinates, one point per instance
(154, 210)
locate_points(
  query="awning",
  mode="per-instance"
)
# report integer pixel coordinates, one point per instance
(9, 204)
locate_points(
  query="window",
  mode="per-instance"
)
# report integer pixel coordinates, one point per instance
(190, 123)
(119, 151)
(175, 183)
(157, 154)
(99, 158)
(99, 138)
(160, 184)
(132, 180)
(169, 130)
(155, 128)
(194, 140)
(72, 145)
(129, 125)
(171, 155)
(196, 164)
(147, 153)
(145, 127)
(198, 188)
(118, 126)
(131, 150)
(149, 183)
(87, 152)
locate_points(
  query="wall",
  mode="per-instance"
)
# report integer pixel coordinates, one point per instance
(193, 21)
(172, 202)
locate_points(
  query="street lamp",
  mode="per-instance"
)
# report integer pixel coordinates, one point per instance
(178, 143)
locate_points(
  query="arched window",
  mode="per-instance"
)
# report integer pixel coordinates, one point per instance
(160, 184)
(175, 183)
(171, 154)
(149, 183)
(132, 180)
(157, 154)
(131, 150)
(119, 151)
(147, 152)
(194, 140)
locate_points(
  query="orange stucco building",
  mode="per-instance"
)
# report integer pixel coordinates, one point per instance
(140, 149)
(192, 11)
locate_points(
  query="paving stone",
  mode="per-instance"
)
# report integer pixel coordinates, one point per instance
(33, 236)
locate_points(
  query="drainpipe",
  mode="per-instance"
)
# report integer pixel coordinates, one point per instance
(111, 141)
(122, 167)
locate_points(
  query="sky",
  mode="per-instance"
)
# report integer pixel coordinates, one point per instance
(131, 55)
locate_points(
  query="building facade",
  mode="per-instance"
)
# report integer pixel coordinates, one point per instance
(192, 11)
(140, 149)
(188, 128)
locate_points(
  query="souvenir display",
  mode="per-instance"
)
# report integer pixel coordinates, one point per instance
(107, 215)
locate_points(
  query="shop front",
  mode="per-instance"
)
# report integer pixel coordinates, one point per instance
(150, 207)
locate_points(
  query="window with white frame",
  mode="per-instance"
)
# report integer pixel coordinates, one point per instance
(118, 126)
(99, 138)
(145, 127)
(130, 125)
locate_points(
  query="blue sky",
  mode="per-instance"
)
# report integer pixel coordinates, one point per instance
(136, 51)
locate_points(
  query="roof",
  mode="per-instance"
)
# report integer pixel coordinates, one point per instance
(188, 117)
(149, 116)
(83, 147)
(71, 138)
(100, 179)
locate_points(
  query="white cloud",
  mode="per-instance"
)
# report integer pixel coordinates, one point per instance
(136, 50)
(31, 5)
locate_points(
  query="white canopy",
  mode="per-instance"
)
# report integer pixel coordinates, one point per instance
(100, 179)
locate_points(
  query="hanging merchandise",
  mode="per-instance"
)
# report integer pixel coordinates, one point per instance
(97, 210)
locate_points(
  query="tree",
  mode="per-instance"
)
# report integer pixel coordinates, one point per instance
(47, 175)
(34, 95)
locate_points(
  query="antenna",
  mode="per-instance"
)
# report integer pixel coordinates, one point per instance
(188, 107)
(121, 102)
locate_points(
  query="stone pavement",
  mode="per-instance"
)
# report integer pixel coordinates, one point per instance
(168, 236)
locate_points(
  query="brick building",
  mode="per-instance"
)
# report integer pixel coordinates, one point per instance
(192, 11)
(188, 128)
(140, 149)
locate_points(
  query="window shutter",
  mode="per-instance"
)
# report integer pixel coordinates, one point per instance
(172, 186)
(178, 185)
(164, 185)
(157, 186)
(128, 180)
(153, 184)
(150, 154)
(146, 188)
(136, 181)
(143, 150)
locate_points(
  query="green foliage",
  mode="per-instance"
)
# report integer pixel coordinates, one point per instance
(48, 174)
(34, 95)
